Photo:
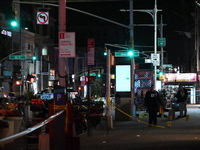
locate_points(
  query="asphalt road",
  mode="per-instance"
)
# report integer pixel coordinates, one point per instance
(184, 134)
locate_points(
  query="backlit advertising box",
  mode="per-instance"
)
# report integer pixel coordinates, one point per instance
(123, 78)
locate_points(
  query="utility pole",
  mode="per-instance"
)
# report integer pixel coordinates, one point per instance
(197, 5)
(109, 117)
(62, 28)
(161, 35)
(132, 59)
(155, 41)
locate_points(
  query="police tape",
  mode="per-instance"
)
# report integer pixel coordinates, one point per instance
(31, 129)
(168, 123)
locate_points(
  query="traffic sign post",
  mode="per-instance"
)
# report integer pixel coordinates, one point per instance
(155, 59)
(17, 57)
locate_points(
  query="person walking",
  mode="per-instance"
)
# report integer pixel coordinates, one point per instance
(152, 102)
(182, 96)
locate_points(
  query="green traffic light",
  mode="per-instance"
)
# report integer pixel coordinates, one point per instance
(161, 73)
(34, 58)
(99, 75)
(130, 53)
(13, 23)
(105, 53)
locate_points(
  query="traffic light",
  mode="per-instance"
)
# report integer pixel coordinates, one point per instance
(160, 73)
(79, 88)
(130, 53)
(99, 75)
(162, 78)
(18, 82)
(112, 59)
(14, 22)
(34, 58)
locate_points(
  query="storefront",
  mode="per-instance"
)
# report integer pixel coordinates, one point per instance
(188, 80)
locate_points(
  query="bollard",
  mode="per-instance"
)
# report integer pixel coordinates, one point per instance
(171, 114)
(72, 142)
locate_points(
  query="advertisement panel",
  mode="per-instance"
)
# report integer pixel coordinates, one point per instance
(123, 78)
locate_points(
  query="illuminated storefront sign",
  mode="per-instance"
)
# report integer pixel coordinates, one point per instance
(8, 33)
(181, 77)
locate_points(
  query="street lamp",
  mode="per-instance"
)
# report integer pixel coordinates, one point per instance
(153, 13)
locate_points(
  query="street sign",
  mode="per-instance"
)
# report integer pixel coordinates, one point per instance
(91, 51)
(91, 74)
(155, 59)
(125, 54)
(42, 17)
(161, 41)
(167, 65)
(23, 70)
(17, 57)
(121, 54)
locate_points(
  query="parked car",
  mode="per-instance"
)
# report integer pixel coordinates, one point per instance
(4, 102)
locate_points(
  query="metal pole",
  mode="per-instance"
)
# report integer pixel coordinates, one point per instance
(62, 28)
(132, 59)
(197, 34)
(109, 117)
(155, 40)
(161, 35)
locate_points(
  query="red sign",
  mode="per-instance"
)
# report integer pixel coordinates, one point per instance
(66, 44)
(91, 45)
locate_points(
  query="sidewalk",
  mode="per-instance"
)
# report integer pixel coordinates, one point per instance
(137, 135)
(129, 135)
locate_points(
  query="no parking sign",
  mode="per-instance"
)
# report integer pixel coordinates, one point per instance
(42, 17)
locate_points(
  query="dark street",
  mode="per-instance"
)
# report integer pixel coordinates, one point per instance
(129, 135)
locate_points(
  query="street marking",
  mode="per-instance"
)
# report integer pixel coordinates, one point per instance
(187, 118)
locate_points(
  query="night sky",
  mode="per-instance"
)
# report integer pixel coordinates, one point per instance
(177, 15)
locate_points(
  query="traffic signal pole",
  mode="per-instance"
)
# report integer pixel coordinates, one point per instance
(72, 142)
(108, 115)
(132, 109)
(155, 42)
(62, 28)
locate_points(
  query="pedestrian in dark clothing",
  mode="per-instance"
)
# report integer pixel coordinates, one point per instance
(182, 96)
(152, 102)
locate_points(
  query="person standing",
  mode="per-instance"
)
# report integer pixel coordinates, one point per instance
(182, 96)
(152, 102)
